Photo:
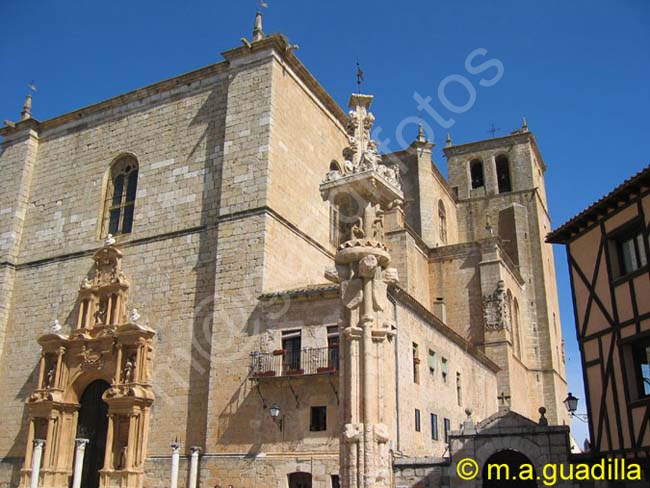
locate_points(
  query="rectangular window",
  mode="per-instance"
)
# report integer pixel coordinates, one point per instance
(434, 426)
(318, 419)
(291, 343)
(416, 364)
(336, 482)
(641, 355)
(333, 347)
(432, 361)
(447, 430)
(444, 367)
(627, 249)
(459, 392)
(417, 420)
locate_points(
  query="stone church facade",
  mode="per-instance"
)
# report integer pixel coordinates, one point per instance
(166, 279)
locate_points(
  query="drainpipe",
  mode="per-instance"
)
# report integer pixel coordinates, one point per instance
(392, 299)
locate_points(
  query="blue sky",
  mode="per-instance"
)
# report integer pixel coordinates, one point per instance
(578, 70)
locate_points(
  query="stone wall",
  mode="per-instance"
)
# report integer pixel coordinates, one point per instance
(434, 394)
(424, 472)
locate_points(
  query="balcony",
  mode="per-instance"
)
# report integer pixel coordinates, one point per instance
(283, 363)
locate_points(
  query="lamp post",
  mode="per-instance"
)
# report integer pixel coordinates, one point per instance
(275, 411)
(571, 404)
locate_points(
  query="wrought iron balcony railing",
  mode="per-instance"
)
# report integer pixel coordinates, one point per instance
(322, 360)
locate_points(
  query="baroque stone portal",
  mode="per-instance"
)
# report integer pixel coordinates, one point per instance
(108, 347)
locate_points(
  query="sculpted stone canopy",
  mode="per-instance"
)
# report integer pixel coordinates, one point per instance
(361, 155)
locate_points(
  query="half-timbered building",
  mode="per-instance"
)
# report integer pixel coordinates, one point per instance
(607, 249)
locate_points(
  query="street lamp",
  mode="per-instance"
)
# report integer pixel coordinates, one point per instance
(571, 404)
(274, 411)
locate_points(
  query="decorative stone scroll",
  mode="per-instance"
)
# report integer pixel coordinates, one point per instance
(106, 344)
(496, 309)
(363, 191)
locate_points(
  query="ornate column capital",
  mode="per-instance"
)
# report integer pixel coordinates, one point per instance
(81, 443)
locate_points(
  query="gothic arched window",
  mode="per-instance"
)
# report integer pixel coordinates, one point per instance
(120, 196)
(442, 221)
(476, 173)
(503, 174)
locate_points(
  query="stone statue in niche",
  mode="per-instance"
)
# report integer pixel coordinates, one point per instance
(128, 372)
(123, 453)
(49, 377)
(356, 232)
(378, 226)
(100, 315)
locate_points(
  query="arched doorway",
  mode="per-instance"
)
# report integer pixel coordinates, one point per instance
(92, 424)
(300, 480)
(514, 461)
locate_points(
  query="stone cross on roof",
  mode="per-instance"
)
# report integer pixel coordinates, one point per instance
(503, 398)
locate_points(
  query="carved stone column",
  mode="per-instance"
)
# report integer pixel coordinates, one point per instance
(194, 466)
(176, 452)
(37, 454)
(363, 190)
(80, 450)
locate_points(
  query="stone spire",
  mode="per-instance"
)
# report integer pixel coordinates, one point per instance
(421, 136)
(364, 190)
(27, 108)
(258, 34)
(524, 124)
(448, 142)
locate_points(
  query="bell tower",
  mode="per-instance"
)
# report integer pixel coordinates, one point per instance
(502, 203)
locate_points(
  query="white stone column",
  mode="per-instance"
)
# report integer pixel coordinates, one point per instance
(36, 462)
(194, 466)
(80, 450)
(176, 451)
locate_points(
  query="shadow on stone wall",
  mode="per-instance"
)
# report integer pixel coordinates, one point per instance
(212, 115)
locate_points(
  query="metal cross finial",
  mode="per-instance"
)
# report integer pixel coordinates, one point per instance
(359, 75)
(493, 130)
(263, 4)
(31, 87)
